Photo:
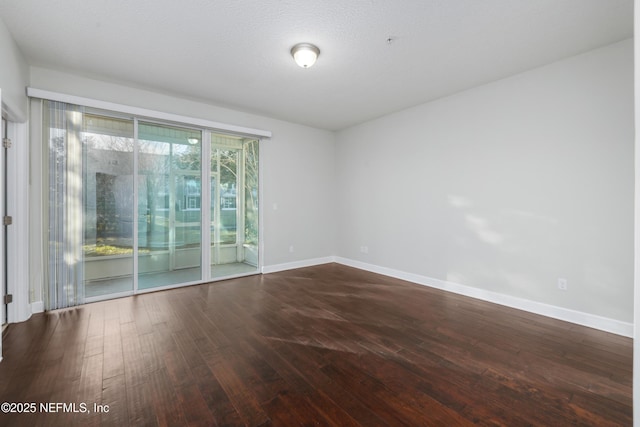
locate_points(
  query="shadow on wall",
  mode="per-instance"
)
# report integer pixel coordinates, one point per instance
(509, 251)
(523, 253)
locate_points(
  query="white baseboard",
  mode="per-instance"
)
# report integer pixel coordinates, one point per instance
(296, 264)
(573, 316)
(585, 319)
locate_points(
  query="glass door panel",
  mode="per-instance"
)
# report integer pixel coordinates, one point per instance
(107, 258)
(251, 212)
(169, 205)
(234, 241)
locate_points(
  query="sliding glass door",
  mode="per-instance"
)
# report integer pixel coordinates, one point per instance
(251, 208)
(234, 214)
(169, 205)
(107, 195)
(135, 205)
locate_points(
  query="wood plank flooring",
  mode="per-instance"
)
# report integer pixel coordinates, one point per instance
(326, 345)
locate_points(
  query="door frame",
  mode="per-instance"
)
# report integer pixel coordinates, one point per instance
(17, 234)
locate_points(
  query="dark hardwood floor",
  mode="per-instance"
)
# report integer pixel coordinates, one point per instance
(326, 345)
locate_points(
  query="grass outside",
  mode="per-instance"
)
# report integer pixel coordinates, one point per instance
(119, 246)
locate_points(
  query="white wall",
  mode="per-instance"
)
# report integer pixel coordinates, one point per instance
(505, 187)
(14, 76)
(298, 164)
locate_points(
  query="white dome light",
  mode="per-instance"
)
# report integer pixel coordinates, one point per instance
(305, 54)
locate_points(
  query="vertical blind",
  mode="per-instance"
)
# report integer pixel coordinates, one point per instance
(63, 124)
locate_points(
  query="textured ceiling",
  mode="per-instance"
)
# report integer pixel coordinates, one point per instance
(236, 53)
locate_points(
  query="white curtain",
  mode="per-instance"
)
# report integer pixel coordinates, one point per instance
(62, 139)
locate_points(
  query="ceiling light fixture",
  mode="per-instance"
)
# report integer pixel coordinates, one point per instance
(193, 141)
(305, 54)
